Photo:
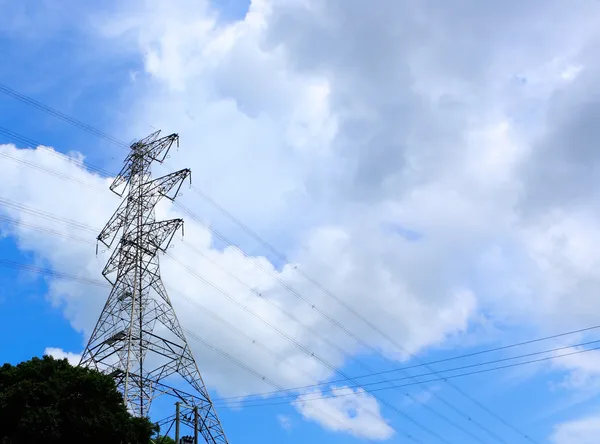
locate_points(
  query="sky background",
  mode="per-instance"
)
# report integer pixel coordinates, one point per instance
(432, 164)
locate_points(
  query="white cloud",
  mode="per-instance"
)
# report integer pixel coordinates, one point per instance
(320, 123)
(58, 353)
(581, 431)
(285, 422)
(571, 72)
(583, 369)
(354, 410)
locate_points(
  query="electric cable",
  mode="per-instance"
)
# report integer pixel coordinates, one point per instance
(408, 417)
(6, 90)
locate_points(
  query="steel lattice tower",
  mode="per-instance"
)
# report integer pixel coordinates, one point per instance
(138, 339)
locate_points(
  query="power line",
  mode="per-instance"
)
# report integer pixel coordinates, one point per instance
(45, 230)
(104, 284)
(32, 102)
(212, 314)
(263, 378)
(50, 273)
(46, 170)
(477, 372)
(336, 323)
(302, 347)
(454, 424)
(333, 368)
(487, 430)
(282, 256)
(174, 291)
(35, 144)
(317, 284)
(9, 91)
(346, 354)
(45, 215)
(66, 276)
(453, 358)
(351, 309)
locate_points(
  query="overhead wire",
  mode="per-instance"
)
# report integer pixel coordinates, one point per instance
(80, 226)
(51, 273)
(45, 215)
(212, 314)
(96, 282)
(334, 368)
(66, 276)
(495, 349)
(9, 91)
(309, 398)
(172, 290)
(104, 284)
(42, 229)
(274, 384)
(302, 347)
(352, 310)
(476, 372)
(339, 325)
(464, 367)
(381, 400)
(325, 340)
(5, 89)
(41, 168)
(12, 135)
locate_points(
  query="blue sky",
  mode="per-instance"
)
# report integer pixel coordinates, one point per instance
(408, 183)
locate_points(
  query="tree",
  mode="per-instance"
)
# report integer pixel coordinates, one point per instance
(164, 440)
(48, 400)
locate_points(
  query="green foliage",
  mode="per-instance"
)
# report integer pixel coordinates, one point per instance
(48, 400)
(164, 440)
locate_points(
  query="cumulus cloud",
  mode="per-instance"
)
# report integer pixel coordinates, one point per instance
(354, 410)
(322, 125)
(59, 353)
(580, 431)
(583, 369)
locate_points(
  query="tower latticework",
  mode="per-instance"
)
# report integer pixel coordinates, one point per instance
(138, 339)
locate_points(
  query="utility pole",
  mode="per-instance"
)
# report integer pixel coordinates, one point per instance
(195, 424)
(177, 420)
(138, 339)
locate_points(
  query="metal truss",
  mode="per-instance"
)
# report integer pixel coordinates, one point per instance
(138, 339)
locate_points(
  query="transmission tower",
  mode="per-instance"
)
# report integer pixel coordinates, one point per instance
(138, 339)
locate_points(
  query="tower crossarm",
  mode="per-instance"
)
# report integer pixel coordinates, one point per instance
(154, 236)
(157, 189)
(159, 149)
(143, 153)
(158, 235)
(163, 186)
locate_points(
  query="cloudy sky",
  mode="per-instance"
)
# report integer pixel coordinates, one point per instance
(422, 176)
